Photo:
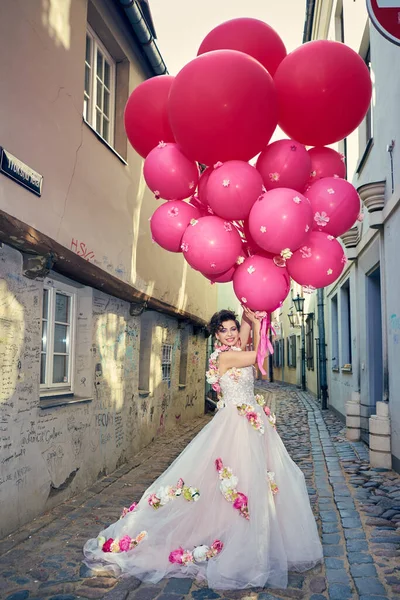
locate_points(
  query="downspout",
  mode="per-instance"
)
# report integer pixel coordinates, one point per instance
(322, 350)
(309, 22)
(144, 35)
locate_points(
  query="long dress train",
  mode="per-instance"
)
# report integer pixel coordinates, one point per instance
(232, 509)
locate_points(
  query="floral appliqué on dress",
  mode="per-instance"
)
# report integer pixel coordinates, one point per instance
(247, 410)
(125, 544)
(213, 376)
(199, 554)
(228, 485)
(169, 492)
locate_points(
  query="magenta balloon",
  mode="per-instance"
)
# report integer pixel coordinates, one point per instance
(281, 219)
(202, 188)
(145, 116)
(319, 262)
(335, 204)
(169, 222)
(233, 188)
(222, 106)
(284, 163)
(247, 35)
(260, 284)
(227, 275)
(211, 245)
(326, 162)
(169, 173)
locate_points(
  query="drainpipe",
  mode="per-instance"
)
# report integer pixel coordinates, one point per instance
(309, 21)
(322, 350)
(144, 35)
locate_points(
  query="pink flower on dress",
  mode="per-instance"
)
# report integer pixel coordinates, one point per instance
(107, 545)
(219, 464)
(267, 410)
(153, 500)
(274, 176)
(305, 252)
(241, 501)
(173, 212)
(180, 483)
(217, 546)
(125, 543)
(321, 219)
(176, 556)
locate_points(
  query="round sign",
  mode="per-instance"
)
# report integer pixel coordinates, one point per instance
(385, 16)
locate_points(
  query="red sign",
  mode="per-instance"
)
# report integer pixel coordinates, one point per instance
(385, 16)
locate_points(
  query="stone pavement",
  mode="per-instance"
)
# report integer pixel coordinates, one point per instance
(357, 510)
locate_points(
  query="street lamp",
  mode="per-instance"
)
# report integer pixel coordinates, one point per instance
(299, 306)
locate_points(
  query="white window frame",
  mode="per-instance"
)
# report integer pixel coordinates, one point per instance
(53, 287)
(91, 98)
(166, 362)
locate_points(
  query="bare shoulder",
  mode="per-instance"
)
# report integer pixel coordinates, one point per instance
(243, 358)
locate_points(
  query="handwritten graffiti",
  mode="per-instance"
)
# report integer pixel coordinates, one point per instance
(104, 419)
(81, 249)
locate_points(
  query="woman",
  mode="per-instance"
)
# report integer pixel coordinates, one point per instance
(233, 508)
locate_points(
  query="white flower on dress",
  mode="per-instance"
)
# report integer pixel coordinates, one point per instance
(226, 183)
(200, 554)
(305, 252)
(286, 253)
(251, 269)
(297, 199)
(329, 272)
(228, 483)
(263, 229)
(321, 219)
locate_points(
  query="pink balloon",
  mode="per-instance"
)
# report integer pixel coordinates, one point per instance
(233, 188)
(250, 36)
(227, 275)
(335, 204)
(326, 162)
(260, 284)
(211, 245)
(280, 220)
(169, 174)
(222, 106)
(284, 163)
(319, 262)
(145, 117)
(202, 188)
(194, 201)
(169, 222)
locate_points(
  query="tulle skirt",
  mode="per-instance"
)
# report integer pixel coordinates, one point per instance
(233, 510)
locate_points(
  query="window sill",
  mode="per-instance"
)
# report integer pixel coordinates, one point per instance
(335, 369)
(57, 401)
(347, 369)
(144, 393)
(103, 141)
(364, 157)
(182, 386)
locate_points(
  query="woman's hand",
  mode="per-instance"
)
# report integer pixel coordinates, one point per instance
(251, 317)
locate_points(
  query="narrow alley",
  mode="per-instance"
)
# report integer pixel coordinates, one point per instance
(357, 509)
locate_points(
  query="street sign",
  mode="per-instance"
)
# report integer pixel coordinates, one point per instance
(385, 16)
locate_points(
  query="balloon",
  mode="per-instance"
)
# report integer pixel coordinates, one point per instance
(250, 36)
(260, 284)
(194, 201)
(222, 106)
(284, 163)
(324, 91)
(227, 275)
(233, 188)
(145, 117)
(326, 162)
(169, 222)
(280, 220)
(211, 245)
(335, 204)
(202, 189)
(319, 263)
(169, 174)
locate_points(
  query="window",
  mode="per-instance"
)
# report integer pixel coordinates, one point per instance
(146, 338)
(310, 343)
(58, 332)
(335, 333)
(291, 351)
(184, 356)
(99, 91)
(345, 323)
(166, 359)
(277, 354)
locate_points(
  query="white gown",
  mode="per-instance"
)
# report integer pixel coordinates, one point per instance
(257, 510)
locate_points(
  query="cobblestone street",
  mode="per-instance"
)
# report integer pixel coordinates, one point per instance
(357, 509)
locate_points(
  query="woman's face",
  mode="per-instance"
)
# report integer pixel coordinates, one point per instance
(228, 334)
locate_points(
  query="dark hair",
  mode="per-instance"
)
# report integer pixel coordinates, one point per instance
(220, 317)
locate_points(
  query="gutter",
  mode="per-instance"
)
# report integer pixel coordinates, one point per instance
(144, 36)
(309, 22)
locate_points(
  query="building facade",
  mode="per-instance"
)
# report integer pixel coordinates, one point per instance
(362, 308)
(102, 341)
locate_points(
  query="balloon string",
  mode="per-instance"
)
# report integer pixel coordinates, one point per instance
(265, 345)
